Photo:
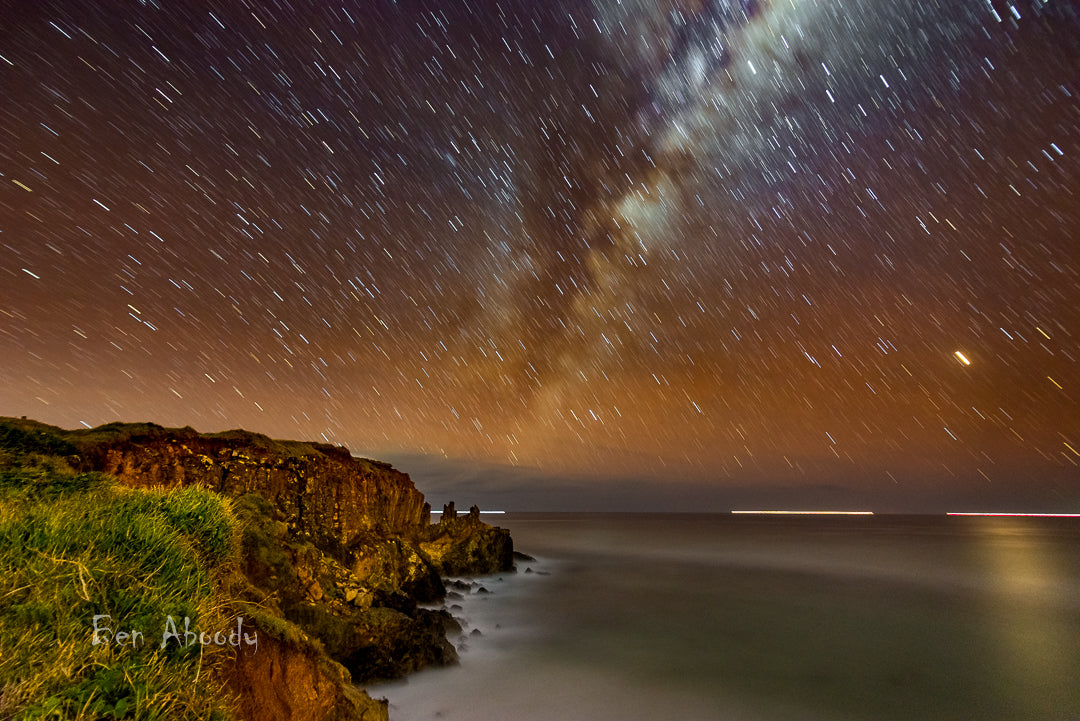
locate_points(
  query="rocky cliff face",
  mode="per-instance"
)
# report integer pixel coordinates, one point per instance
(337, 554)
(289, 682)
(320, 489)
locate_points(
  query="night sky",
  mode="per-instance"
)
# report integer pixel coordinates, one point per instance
(677, 254)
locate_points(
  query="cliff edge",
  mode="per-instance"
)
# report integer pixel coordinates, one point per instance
(335, 555)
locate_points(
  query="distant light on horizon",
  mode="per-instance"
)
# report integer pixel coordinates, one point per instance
(807, 513)
(440, 512)
(1010, 513)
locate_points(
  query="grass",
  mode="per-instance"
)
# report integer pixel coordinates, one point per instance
(21, 435)
(78, 545)
(32, 437)
(79, 548)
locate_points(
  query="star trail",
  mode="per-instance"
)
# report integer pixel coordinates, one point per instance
(721, 242)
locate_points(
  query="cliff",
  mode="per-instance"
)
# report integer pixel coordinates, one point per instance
(320, 489)
(335, 554)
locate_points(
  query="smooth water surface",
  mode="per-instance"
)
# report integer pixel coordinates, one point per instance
(714, 617)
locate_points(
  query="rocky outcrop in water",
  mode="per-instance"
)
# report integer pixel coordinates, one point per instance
(466, 546)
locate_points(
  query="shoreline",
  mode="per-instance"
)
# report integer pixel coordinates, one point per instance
(799, 621)
(493, 629)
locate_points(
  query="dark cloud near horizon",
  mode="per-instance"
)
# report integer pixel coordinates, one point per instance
(494, 486)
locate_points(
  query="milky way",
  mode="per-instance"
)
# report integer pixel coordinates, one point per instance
(730, 242)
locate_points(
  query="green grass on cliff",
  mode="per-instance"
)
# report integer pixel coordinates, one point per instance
(20, 436)
(76, 545)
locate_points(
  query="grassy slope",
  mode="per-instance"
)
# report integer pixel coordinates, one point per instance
(73, 546)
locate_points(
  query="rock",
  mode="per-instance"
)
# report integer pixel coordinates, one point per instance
(294, 681)
(383, 643)
(482, 590)
(394, 564)
(451, 625)
(315, 591)
(350, 594)
(519, 556)
(467, 547)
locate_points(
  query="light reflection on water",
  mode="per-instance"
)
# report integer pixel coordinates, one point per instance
(714, 617)
(1031, 586)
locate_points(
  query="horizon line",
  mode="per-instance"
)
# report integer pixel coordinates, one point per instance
(807, 513)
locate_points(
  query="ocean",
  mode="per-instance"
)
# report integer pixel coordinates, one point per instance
(639, 617)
